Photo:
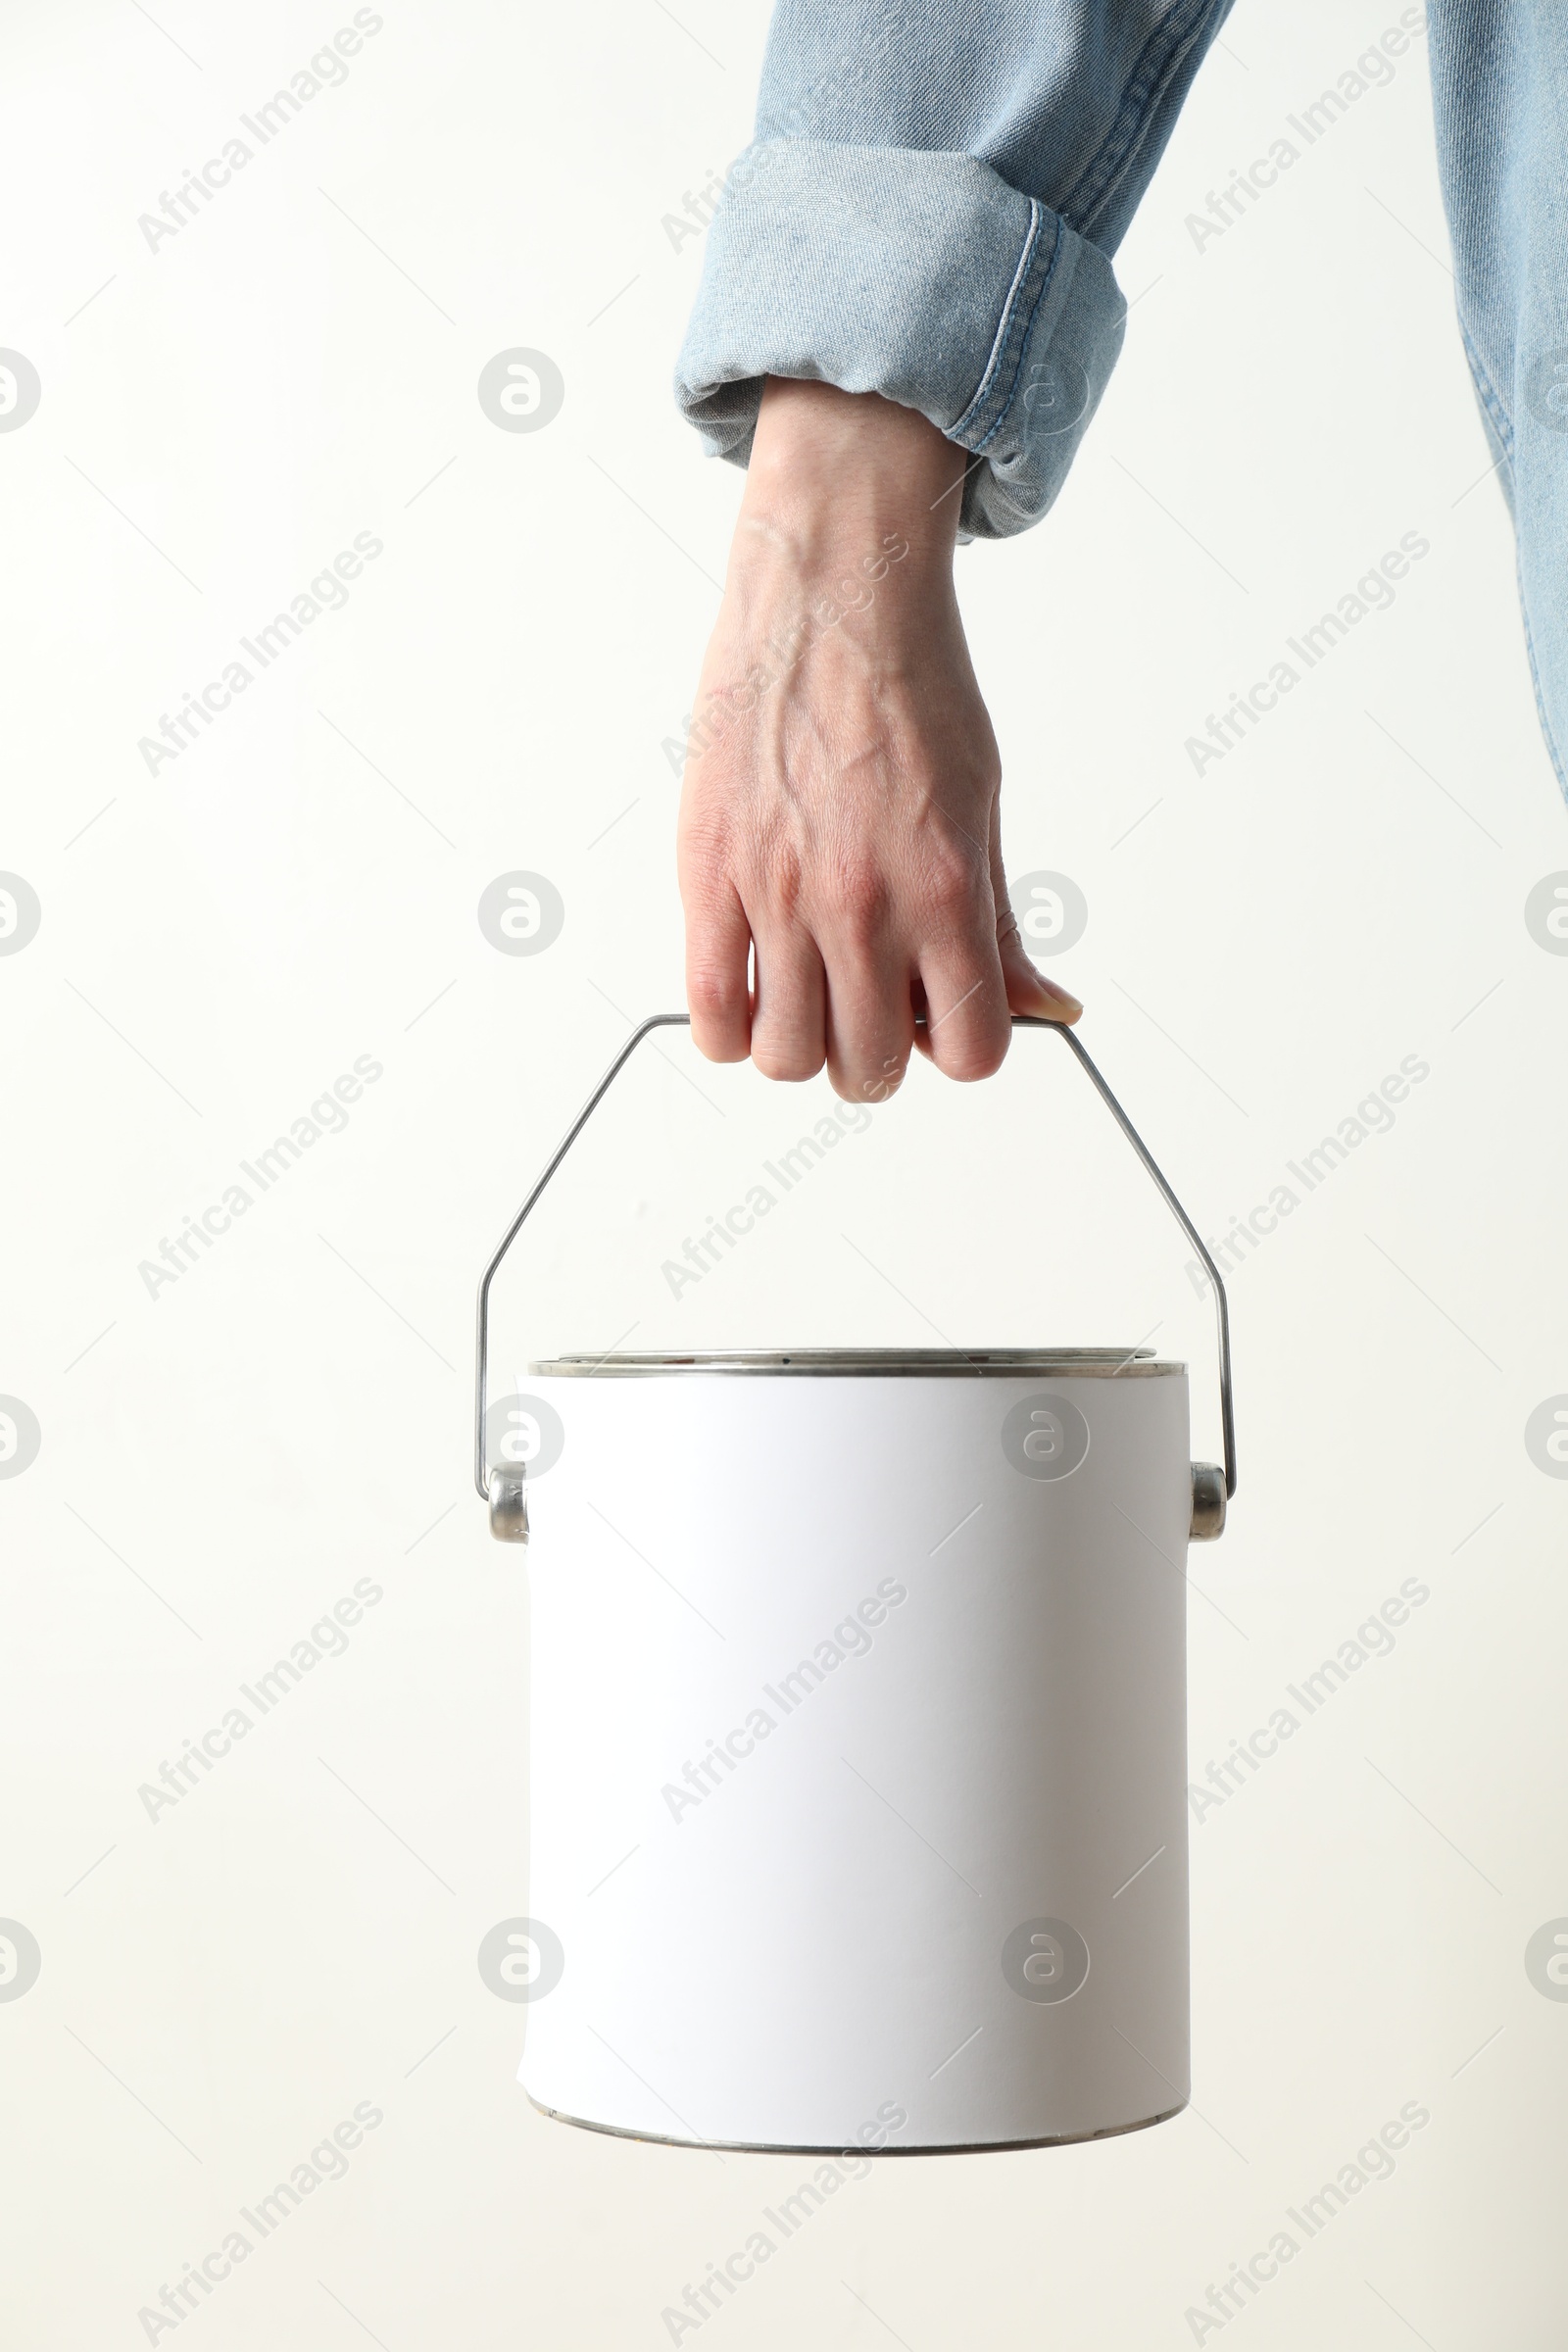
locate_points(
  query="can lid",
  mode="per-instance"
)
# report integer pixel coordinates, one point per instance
(1076, 1363)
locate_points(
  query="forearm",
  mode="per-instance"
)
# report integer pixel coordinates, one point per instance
(849, 497)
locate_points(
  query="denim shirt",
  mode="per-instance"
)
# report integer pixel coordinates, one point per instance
(936, 189)
(928, 210)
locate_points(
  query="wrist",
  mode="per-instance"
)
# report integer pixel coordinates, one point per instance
(836, 473)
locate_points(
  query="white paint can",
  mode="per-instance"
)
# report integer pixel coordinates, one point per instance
(858, 1757)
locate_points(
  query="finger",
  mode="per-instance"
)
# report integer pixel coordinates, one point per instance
(719, 944)
(787, 1016)
(1028, 991)
(923, 1016)
(967, 1030)
(869, 1024)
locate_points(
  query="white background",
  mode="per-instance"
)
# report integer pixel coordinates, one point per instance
(219, 1464)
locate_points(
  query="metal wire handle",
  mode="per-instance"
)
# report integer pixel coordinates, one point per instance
(1020, 1020)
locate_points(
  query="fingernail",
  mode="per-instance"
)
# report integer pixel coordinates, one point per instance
(1063, 996)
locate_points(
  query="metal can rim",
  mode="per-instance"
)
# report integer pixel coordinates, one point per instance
(877, 1363)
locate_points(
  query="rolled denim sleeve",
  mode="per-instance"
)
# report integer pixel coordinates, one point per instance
(928, 210)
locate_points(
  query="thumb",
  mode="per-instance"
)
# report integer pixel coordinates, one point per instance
(1028, 991)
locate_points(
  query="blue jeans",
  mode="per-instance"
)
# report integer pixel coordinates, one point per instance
(936, 187)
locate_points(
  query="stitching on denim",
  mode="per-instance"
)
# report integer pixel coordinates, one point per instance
(1164, 53)
(1020, 277)
(996, 427)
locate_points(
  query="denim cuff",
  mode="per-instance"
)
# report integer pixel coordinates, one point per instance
(923, 277)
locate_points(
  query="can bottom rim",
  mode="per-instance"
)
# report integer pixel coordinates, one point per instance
(795, 2148)
(1103, 1363)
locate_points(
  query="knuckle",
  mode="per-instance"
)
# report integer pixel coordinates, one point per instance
(703, 851)
(952, 889)
(861, 899)
(715, 994)
(973, 1047)
(967, 1063)
(781, 879)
